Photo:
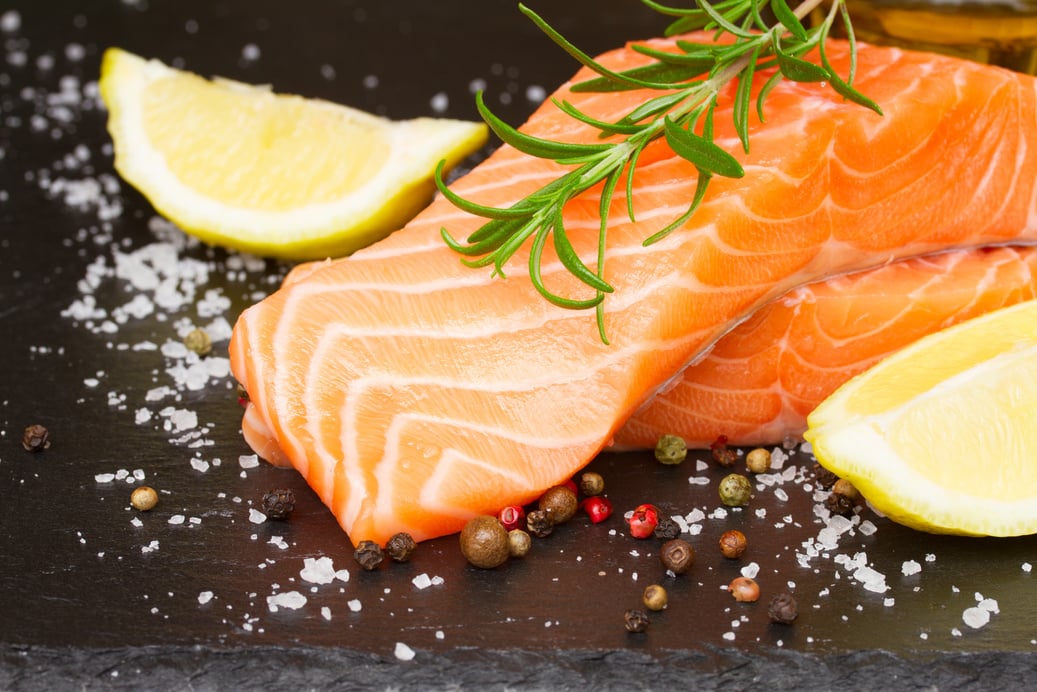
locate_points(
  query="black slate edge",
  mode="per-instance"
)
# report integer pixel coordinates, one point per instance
(200, 668)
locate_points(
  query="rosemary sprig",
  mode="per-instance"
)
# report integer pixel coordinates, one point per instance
(690, 81)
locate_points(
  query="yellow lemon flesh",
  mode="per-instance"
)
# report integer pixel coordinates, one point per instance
(942, 436)
(276, 175)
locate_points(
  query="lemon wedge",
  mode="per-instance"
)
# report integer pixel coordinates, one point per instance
(276, 175)
(942, 435)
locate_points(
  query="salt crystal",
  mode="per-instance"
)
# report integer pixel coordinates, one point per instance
(279, 542)
(182, 419)
(888, 602)
(989, 604)
(204, 597)
(91, 382)
(440, 635)
(10, 21)
(701, 465)
(438, 580)
(535, 93)
(342, 575)
(698, 480)
(177, 519)
(142, 416)
(354, 605)
(976, 617)
(422, 581)
(104, 477)
(136, 522)
(439, 102)
(867, 528)
(781, 495)
(930, 557)
(248, 461)
(910, 567)
(325, 612)
(318, 571)
(292, 600)
(729, 636)
(403, 652)
(255, 516)
(1027, 567)
(751, 570)
(200, 465)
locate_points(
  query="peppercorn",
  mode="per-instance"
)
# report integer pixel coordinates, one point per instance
(722, 454)
(512, 517)
(825, 478)
(671, 449)
(733, 543)
(758, 461)
(666, 529)
(400, 547)
(242, 393)
(845, 488)
(783, 609)
(278, 504)
(636, 620)
(592, 484)
(735, 490)
(598, 508)
(144, 498)
(643, 521)
(198, 340)
(519, 543)
(484, 542)
(539, 523)
(655, 597)
(560, 503)
(369, 554)
(36, 438)
(744, 589)
(677, 555)
(839, 504)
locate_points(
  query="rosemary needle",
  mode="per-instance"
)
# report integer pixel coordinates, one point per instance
(688, 82)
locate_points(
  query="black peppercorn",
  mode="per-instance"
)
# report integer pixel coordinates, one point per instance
(636, 620)
(278, 504)
(539, 523)
(369, 554)
(400, 547)
(36, 438)
(783, 609)
(667, 528)
(839, 504)
(677, 555)
(560, 503)
(825, 478)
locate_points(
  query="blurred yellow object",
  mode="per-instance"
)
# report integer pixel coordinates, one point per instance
(998, 32)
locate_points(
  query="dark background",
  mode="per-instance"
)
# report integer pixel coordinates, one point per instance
(83, 606)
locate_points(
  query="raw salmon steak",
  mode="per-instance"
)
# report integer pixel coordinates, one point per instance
(413, 392)
(757, 385)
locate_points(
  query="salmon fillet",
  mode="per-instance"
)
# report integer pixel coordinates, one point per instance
(413, 392)
(759, 382)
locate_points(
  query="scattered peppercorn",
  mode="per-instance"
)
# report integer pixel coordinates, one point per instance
(667, 528)
(758, 460)
(198, 341)
(36, 438)
(560, 503)
(539, 523)
(671, 449)
(722, 454)
(592, 484)
(484, 542)
(636, 620)
(144, 498)
(401, 546)
(519, 543)
(369, 554)
(512, 517)
(839, 504)
(643, 521)
(733, 543)
(655, 597)
(242, 393)
(744, 589)
(677, 555)
(735, 490)
(598, 508)
(845, 488)
(783, 609)
(278, 504)
(825, 478)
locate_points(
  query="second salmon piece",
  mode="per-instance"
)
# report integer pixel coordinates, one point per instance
(413, 392)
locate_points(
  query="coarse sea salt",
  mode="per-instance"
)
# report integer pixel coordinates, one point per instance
(354, 605)
(292, 600)
(255, 516)
(910, 567)
(204, 597)
(403, 652)
(318, 570)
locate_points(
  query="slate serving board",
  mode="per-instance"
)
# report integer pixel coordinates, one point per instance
(90, 600)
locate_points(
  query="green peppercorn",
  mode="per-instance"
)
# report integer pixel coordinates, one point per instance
(560, 503)
(519, 543)
(198, 340)
(735, 490)
(758, 460)
(592, 484)
(484, 542)
(671, 449)
(655, 597)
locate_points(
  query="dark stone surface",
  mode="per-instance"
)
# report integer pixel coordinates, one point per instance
(83, 605)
